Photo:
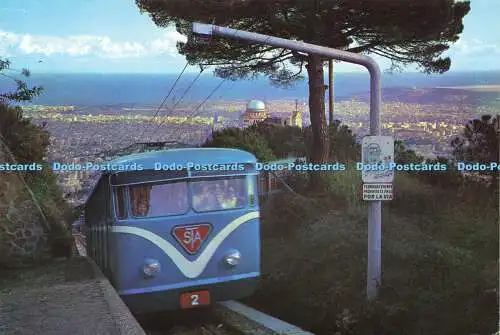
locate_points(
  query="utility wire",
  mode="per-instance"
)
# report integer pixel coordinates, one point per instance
(155, 115)
(166, 97)
(195, 111)
(171, 110)
(220, 97)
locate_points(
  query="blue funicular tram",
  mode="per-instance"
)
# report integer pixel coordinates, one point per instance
(177, 238)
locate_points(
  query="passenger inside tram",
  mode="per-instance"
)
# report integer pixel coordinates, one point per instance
(218, 195)
(140, 200)
(142, 209)
(204, 199)
(229, 199)
(237, 190)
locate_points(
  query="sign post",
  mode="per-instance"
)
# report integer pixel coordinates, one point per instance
(377, 155)
(377, 191)
(375, 210)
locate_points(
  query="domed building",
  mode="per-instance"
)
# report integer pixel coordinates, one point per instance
(255, 112)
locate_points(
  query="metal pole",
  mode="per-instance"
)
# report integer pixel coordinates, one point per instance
(374, 212)
(373, 278)
(330, 91)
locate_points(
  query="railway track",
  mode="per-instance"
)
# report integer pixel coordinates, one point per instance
(193, 322)
(226, 318)
(190, 322)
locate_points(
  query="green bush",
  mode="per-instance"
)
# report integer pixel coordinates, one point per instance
(439, 251)
(299, 181)
(242, 139)
(343, 145)
(281, 140)
(28, 142)
(48, 193)
(479, 143)
(405, 156)
(346, 187)
(451, 178)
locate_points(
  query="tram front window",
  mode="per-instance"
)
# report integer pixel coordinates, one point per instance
(159, 199)
(215, 195)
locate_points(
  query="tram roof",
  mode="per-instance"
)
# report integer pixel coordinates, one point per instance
(183, 156)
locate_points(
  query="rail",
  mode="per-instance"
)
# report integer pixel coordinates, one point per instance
(239, 317)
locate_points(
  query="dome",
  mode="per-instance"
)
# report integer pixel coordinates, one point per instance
(256, 105)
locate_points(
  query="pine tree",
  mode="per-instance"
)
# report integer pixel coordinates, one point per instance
(405, 31)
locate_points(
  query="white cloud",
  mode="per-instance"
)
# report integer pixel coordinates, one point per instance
(167, 43)
(475, 47)
(7, 42)
(86, 45)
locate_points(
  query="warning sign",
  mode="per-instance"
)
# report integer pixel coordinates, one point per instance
(377, 192)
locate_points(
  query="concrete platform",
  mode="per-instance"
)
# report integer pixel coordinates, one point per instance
(250, 321)
(66, 296)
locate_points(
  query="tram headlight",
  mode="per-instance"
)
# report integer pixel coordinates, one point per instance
(151, 267)
(233, 258)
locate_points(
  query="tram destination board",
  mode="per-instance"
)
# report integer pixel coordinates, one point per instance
(377, 191)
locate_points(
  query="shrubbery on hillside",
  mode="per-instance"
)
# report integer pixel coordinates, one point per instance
(450, 178)
(440, 260)
(243, 139)
(276, 142)
(270, 142)
(343, 145)
(479, 143)
(405, 156)
(28, 143)
(281, 140)
(439, 245)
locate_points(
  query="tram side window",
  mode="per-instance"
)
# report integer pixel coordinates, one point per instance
(159, 199)
(139, 199)
(120, 209)
(216, 195)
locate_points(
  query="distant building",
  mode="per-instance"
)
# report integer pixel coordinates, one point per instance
(275, 121)
(285, 119)
(255, 112)
(410, 133)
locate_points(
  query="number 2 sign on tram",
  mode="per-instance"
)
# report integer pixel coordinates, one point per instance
(191, 238)
(195, 299)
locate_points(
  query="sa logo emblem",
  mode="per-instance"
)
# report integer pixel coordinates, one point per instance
(191, 238)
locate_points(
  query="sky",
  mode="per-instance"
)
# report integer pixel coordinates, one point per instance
(112, 36)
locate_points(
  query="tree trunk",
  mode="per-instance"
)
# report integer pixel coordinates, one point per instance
(319, 127)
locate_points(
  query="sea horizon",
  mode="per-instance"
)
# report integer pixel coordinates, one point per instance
(133, 89)
(210, 74)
